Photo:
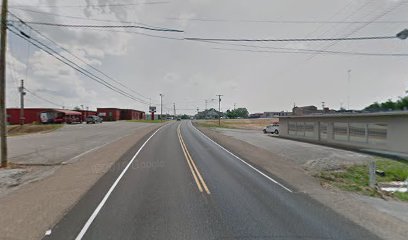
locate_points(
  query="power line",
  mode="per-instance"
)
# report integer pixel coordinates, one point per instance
(320, 52)
(290, 39)
(44, 99)
(102, 26)
(73, 65)
(75, 56)
(299, 50)
(82, 18)
(291, 21)
(95, 5)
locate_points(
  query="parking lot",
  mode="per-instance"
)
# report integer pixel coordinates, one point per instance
(68, 143)
(310, 156)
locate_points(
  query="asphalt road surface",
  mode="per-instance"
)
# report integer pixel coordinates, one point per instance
(181, 185)
(68, 143)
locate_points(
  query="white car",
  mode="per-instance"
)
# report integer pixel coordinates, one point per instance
(273, 128)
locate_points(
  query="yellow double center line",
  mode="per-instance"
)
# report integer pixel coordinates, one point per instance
(193, 168)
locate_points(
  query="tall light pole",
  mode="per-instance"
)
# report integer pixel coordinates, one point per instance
(348, 88)
(22, 94)
(3, 118)
(161, 107)
(219, 109)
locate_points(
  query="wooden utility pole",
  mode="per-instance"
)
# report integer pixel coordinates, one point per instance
(219, 110)
(3, 117)
(161, 107)
(22, 94)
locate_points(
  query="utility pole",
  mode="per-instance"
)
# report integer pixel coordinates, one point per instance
(22, 94)
(235, 105)
(174, 110)
(161, 107)
(348, 88)
(3, 115)
(219, 109)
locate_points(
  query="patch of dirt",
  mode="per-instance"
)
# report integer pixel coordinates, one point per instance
(15, 130)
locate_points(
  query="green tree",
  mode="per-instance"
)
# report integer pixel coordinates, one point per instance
(400, 104)
(237, 113)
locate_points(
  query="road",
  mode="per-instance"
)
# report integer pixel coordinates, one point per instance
(67, 143)
(181, 185)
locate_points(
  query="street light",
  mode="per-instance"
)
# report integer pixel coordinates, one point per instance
(403, 34)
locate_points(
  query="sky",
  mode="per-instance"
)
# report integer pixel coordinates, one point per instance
(257, 75)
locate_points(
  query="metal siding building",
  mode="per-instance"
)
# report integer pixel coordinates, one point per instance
(30, 114)
(109, 114)
(377, 132)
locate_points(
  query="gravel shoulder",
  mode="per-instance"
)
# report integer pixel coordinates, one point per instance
(33, 208)
(383, 218)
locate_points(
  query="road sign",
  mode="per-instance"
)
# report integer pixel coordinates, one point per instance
(152, 109)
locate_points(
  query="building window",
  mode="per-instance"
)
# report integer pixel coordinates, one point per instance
(340, 131)
(292, 128)
(377, 133)
(309, 129)
(323, 130)
(300, 129)
(358, 132)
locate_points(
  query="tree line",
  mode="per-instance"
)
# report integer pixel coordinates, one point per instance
(389, 105)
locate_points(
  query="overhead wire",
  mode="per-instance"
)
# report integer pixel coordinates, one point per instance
(75, 56)
(102, 26)
(76, 67)
(95, 5)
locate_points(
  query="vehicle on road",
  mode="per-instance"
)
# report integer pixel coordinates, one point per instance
(273, 128)
(178, 119)
(93, 119)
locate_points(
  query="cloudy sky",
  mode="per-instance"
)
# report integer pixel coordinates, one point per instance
(259, 76)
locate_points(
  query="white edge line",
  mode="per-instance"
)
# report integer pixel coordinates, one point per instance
(249, 165)
(105, 198)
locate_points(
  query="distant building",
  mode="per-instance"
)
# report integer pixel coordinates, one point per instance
(30, 115)
(109, 114)
(86, 113)
(43, 115)
(209, 114)
(308, 110)
(131, 114)
(255, 115)
(275, 114)
(115, 114)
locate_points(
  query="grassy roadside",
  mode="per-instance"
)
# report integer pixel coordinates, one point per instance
(146, 121)
(253, 124)
(16, 130)
(355, 178)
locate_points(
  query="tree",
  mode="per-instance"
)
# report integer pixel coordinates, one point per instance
(389, 105)
(77, 108)
(237, 113)
(185, 116)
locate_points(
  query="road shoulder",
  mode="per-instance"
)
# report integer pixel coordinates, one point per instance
(31, 210)
(347, 204)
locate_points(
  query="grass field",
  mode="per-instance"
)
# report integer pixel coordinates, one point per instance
(15, 130)
(355, 178)
(253, 124)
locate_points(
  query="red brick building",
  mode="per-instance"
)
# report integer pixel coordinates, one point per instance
(131, 114)
(30, 115)
(109, 114)
(86, 113)
(115, 114)
(43, 115)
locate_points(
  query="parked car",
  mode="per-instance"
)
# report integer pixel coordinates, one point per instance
(93, 119)
(273, 128)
